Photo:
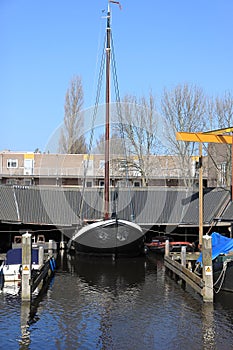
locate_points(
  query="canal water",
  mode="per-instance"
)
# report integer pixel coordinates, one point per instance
(123, 304)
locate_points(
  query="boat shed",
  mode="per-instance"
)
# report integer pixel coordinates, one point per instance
(148, 206)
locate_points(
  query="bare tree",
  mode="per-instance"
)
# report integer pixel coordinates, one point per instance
(115, 142)
(137, 126)
(222, 113)
(224, 110)
(71, 138)
(183, 109)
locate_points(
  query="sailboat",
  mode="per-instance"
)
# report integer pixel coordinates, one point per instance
(109, 236)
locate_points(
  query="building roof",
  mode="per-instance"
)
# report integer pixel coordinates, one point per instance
(228, 213)
(149, 206)
(8, 205)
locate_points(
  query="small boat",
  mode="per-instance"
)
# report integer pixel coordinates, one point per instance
(37, 241)
(11, 267)
(158, 245)
(110, 235)
(222, 257)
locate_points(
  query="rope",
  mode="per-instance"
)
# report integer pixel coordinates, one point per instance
(100, 79)
(221, 277)
(119, 113)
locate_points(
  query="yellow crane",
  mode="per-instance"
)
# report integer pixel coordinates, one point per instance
(214, 136)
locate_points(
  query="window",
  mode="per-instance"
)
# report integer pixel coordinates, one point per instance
(89, 184)
(27, 182)
(12, 163)
(101, 164)
(223, 174)
(11, 182)
(88, 164)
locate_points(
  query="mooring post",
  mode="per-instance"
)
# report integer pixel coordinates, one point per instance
(26, 266)
(167, 250)
(183, 256)
(207, 272)
(62, 242)
(50, 248)
(41, 255)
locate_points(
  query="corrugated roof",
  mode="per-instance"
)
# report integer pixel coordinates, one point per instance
(8, 205)
(228, 214)
(47, 206)
(151, 205)
(214, 202)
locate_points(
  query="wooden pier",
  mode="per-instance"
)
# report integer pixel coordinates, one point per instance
(181, 266)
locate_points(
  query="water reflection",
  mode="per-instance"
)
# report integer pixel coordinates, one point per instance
(208, 326)
(24, 325)
(107, 274)
(111, 287)
(123, 304)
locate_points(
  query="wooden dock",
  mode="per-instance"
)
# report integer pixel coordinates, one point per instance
(172, 264)
(181, 266)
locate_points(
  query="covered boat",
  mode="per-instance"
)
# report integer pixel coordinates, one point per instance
(11, 267)
(222, 256)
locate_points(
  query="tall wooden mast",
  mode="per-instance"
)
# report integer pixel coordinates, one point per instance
(107, 120)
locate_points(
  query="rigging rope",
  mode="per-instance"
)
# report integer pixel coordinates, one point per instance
(86, 164)
(119, 113)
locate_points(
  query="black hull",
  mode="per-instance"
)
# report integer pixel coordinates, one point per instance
(223, 280)
(157, 250)
(117, 238)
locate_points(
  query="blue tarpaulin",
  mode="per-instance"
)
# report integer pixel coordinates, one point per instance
(14, 256)
(220, 245)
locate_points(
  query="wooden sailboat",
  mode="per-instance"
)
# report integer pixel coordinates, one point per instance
(109, 236)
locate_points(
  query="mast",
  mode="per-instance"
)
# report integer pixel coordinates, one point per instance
(107, 120)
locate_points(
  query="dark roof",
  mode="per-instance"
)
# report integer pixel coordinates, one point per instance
(47, 206)
(8, 205)
(149, 206)
(228, 214)
(215, 201)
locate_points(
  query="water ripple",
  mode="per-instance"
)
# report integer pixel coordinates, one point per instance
(123, 305)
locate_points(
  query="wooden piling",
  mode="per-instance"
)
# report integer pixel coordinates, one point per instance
(207, 273)
(50, 248)
(167, 248)
(62, 242)
(183, 256)
(26, 266)
(41, 256)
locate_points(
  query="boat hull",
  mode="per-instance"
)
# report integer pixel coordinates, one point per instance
(108, 237)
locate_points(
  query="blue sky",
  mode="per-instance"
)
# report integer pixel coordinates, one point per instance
(158, 44)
